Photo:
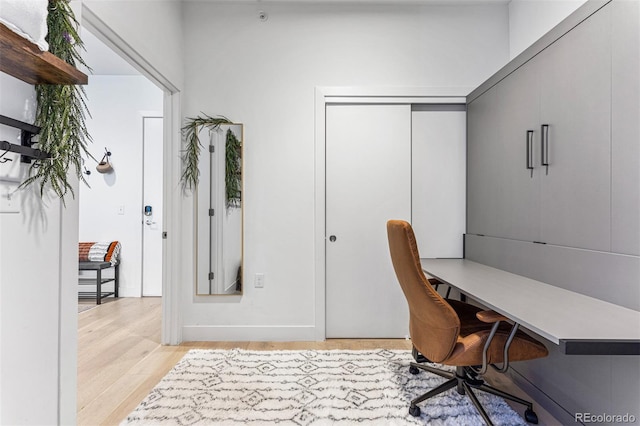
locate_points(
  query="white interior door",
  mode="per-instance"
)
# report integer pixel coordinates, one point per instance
(152, 196)
(368, 181)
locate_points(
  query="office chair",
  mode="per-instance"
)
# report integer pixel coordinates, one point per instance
(454, 333)
(436, 283)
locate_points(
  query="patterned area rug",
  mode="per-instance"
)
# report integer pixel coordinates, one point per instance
(238, 387)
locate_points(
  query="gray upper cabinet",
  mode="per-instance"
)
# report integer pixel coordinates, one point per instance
(625, 128)
(575, 102)
(483, 148)
(518, 187)
(548, 141)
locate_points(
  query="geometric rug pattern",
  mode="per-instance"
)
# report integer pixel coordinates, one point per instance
(308, 387)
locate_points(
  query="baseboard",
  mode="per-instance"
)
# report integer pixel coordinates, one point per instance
(235, 333)
(127, 291)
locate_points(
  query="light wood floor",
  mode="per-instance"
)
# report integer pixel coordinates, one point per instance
(120, 358)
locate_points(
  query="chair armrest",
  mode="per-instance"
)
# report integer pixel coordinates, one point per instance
(490, 316)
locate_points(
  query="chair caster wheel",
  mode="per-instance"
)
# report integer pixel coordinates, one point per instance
(414, 410)
(414, 370)
(530, 416)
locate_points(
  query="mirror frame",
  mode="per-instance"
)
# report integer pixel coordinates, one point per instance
(216, 138)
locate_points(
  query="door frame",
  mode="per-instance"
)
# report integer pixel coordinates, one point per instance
(358, 95)
(172, 139)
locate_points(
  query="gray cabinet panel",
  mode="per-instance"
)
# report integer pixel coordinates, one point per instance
(586, 88)
(606, 276)
(625, 128)
(483, 158)
(518, 188)
(575, 102)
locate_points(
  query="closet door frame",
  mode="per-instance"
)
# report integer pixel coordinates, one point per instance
(351, 95)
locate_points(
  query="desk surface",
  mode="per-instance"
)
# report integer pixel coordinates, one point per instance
(579, 323)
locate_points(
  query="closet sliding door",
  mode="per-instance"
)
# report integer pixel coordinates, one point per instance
(387, 161)
(368, 181)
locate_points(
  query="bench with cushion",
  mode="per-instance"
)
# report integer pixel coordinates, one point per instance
(98, 256)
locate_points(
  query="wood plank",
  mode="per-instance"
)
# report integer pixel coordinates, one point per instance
(25, 61)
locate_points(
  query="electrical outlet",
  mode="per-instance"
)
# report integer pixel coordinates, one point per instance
(259, 280)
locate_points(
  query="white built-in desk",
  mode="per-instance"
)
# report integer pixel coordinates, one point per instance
(579, 324)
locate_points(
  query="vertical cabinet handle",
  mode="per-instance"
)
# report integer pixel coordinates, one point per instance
(544, 159)
(530, 150)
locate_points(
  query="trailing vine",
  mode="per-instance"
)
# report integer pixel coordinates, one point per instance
(233, 156)
(233, 170)
(191, 174)
(61, 110)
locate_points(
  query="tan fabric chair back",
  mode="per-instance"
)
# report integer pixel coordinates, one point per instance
(433, 324)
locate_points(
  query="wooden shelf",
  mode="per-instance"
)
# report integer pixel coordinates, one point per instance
(25, 61)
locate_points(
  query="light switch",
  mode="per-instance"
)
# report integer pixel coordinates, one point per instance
(259, 280)
(120, 210)
(9, 202)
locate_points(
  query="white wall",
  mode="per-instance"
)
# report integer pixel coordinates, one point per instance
(152, 28)
(116, 104)
(531, 19)
(38, 307)
(264, 75)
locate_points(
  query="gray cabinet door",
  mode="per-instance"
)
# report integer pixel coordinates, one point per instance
(575, 102)
(503, 194)
(483, 157)
(518, 187)
(625, 129)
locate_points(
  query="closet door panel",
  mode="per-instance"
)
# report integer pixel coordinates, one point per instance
(368, 182)
(576, 105)
(625, 128)
(518, 190)
(483, 159)
(438, 156)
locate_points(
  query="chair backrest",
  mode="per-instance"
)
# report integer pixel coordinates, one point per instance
(433, 324)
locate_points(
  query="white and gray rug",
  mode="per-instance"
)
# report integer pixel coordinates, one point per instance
(312, 387)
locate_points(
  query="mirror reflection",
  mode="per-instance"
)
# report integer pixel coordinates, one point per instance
(218, 206)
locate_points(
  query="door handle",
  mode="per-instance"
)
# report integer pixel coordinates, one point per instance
(529, 149)
(332, 238)
(544, 159)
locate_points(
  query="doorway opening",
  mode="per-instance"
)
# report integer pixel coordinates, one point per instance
(167, 105)
(126, 122)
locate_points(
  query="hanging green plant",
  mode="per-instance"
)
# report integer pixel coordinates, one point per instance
(191, 155)
(61, 110)
(233, 170)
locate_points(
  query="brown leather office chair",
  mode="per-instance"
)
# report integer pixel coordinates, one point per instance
(454, 333)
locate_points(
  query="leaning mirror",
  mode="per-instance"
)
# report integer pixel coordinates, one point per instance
(218, 207)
